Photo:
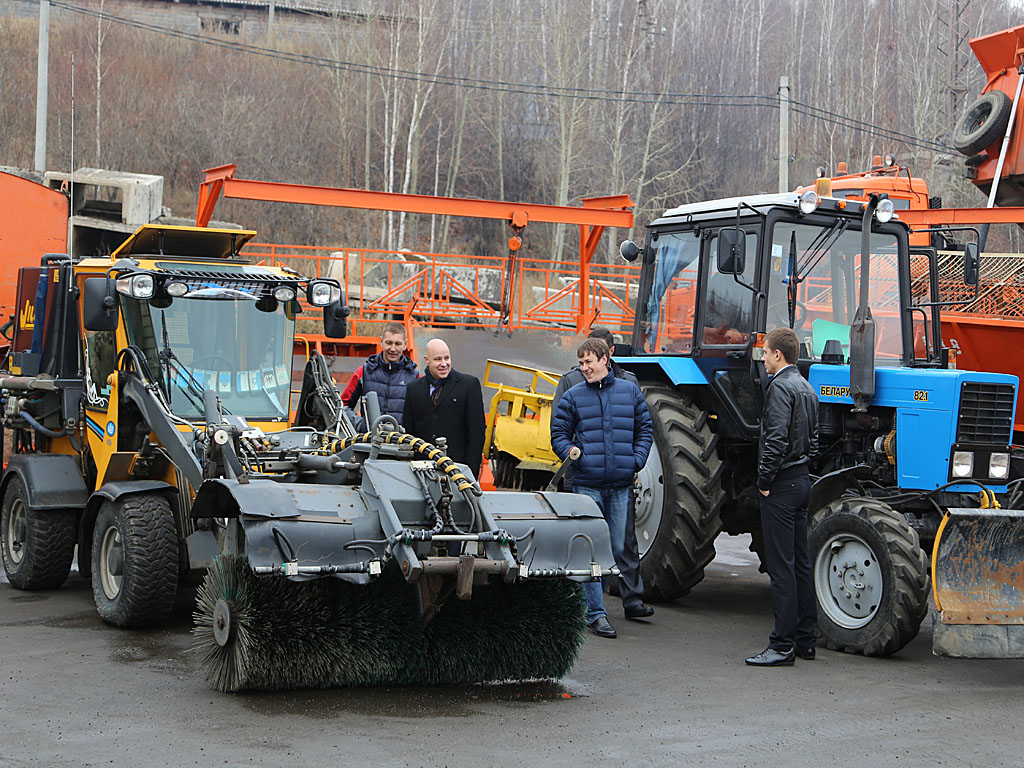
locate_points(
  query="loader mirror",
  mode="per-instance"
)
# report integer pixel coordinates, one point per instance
(732, 257)
(100, 304)
(629, 250)
(336, 319)
(972, 264)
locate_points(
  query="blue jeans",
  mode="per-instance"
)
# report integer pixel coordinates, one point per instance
(614, 504)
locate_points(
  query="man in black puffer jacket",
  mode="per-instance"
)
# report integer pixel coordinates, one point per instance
(789, 440)
(388, 373)
(607, 419)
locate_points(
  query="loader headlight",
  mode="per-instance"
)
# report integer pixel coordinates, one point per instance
(809, 202)
(999, 466)
(176, 289)
(963, 463)
(284, 293)
(320, 293)
(136, 286)
(884, 210)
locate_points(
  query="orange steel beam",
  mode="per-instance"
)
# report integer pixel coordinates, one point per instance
(595, 212)
(959, 216)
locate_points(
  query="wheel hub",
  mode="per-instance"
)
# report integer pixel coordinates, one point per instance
(17, 531)
(222, 626)
(111, 563)
(848, 580)
(650, 493)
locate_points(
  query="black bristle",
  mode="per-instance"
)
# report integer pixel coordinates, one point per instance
(328, 632)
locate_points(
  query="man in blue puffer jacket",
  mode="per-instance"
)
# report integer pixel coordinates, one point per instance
(607, 419)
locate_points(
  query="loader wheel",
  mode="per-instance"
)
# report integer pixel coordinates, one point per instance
(135, 561)
(679, 496)
(870, 576)
(983, 124)
(38, 545)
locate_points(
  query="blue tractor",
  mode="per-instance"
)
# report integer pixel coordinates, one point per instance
(904, 436)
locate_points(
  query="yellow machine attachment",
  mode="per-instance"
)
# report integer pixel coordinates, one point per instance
(978, 578)
(518, 442)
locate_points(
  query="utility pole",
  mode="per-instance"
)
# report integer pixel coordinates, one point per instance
(783, 134)
(42, 69)
(270, 21)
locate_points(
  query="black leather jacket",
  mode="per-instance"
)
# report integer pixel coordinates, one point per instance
(789, 426)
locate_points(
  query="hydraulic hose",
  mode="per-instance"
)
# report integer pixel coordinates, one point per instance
(40, 428)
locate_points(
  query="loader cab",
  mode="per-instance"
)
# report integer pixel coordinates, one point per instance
(715, 275)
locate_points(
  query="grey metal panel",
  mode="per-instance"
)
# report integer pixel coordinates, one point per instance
(52, 481)
(113, 491)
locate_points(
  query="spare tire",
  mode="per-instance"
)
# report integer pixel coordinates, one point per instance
(983, 124)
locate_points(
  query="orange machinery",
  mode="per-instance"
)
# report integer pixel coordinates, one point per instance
(33, 222)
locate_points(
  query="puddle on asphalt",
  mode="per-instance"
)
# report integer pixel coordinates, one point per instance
(409, 702)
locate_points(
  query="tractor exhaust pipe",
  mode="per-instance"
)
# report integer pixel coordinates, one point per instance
(862, 332)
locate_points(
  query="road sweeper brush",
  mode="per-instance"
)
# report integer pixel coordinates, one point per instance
(378, 561)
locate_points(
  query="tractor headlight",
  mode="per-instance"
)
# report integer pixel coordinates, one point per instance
(884, 211)
(320, 293)
(999, 466)
(284, 293)
(963, 463)
(176, 289)
(809, 202)
(136, 286)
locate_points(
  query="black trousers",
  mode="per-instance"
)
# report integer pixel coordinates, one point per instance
(784, 523)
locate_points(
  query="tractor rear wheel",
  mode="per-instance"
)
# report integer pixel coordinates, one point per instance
(870, 576)
(679, 495)
(135, 561)
(38, 546)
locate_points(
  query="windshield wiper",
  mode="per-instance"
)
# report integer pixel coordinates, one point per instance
(192, 390)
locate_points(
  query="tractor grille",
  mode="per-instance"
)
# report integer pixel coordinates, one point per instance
(986, 414)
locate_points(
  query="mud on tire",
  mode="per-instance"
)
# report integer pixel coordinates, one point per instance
(135, 561)
(690, 481)
(870, 575)
(37, 546)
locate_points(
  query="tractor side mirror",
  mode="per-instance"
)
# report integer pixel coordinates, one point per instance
(732, 256)
(629, 250)
(972, 264)
(100, 304)
(336, 319)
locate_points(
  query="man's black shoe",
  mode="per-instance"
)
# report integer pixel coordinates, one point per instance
(807, 654)
(602, 628)
(642, 611)
(770, 657)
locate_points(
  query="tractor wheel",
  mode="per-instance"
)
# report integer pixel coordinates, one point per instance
(870, 575)
(135, 561)
(38, 545)
(679, 496)
(983, 124)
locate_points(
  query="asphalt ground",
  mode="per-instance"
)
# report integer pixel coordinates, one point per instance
(671, 691)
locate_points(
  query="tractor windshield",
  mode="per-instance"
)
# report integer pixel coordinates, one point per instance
(668, 319)
(813, 283)
(225, 344)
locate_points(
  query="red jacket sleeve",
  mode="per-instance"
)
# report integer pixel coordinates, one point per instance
(354, 389)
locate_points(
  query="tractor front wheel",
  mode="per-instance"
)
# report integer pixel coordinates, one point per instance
(679, 495)
(870, 576)
(135, 561)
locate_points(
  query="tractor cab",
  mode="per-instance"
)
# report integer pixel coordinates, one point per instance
(718, 274)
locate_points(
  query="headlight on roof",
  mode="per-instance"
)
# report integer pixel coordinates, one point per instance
(809, 202)
(999, 466)
(176, 288)
(284, 293)
(884, 211)
(136, 286)
(963, 463)
(320, 293)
